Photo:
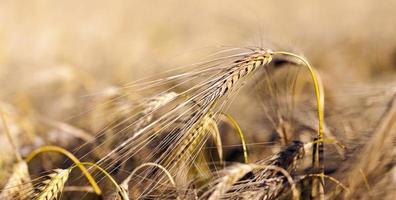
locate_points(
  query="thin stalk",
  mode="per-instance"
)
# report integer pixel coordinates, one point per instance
(66, 153)
(9, 137)
(240, 134)
(319, 94)
(122, 192)
(152, 165)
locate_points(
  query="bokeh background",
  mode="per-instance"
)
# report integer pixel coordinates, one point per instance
(53, 52)
(123, 39)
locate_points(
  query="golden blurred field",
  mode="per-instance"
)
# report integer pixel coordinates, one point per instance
(56, 57)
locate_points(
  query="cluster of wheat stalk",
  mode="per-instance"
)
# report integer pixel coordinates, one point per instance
(167, 134)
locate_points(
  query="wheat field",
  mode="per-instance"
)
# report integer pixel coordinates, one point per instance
(211, 100)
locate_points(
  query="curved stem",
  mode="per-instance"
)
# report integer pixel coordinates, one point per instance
(240, 134)
(318, 87)
(152, 165)
(330, 178)
(66, 153)
(122, 192)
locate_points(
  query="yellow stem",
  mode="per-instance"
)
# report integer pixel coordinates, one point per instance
(240, 133)
(319, 94)
(317, 87)
(121, 191)
(328, 140)
(331, 179)
(66, 153)
(153, 165)
(364, 179)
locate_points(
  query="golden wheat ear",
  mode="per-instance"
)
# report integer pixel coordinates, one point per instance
(229, 177)
(52, 188)
(191, 144)
(18, 184)
(45, 149)
(200, 161)
(267, 181)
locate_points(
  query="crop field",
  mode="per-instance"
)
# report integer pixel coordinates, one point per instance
(208, 100)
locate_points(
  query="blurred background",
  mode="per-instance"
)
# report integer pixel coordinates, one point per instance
(53, 52)
(121, 40)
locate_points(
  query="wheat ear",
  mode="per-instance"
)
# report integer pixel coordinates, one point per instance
(270, 175)
(52, 187)
(66, 153)
(193, 139)
(211, 92)
(122, 193)
(230, 176)
(18, 183)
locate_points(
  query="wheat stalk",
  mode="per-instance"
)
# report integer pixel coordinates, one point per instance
(211, 92)
(122, 194)
(69, 155)
(207, 96)
(124, 184)
(240, 133)
(318, 155)
(178, 159)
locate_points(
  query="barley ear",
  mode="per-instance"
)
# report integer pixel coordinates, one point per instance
(212, 128)
(18, 184)
(66, 153)
(52, 188)
(230, 176)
